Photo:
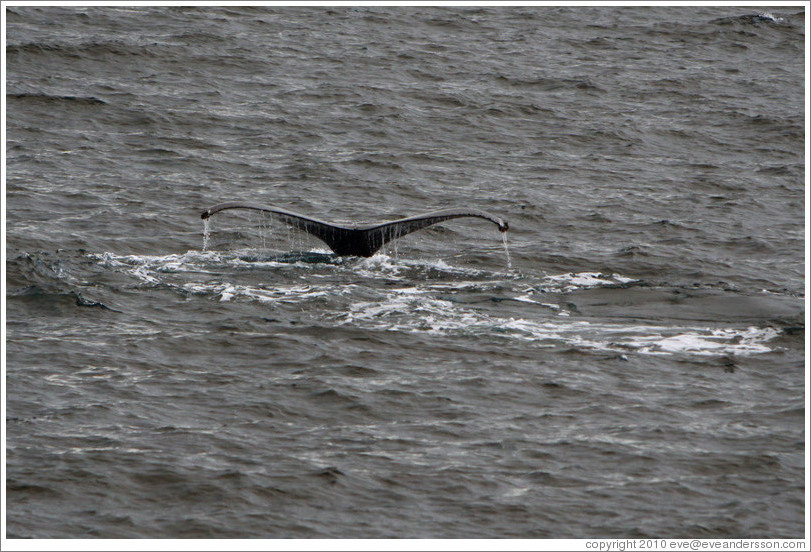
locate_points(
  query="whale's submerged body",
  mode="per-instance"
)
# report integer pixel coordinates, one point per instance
(359, 240)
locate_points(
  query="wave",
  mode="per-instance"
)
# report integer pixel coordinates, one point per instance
(548, 84)
(80, 50)
(47, 98)
(749, 19)
(53, 298)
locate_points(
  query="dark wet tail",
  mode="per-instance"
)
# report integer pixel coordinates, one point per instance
(359, 240)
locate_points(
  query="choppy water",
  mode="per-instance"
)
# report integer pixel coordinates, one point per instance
(636, 370)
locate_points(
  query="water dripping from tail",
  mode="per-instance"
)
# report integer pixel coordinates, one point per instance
(506, 250)
(206, 233)
(393, 240)
(263, 230)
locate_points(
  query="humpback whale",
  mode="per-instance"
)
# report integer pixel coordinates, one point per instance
(358, 240)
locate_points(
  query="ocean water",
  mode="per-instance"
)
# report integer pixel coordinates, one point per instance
(634, 368)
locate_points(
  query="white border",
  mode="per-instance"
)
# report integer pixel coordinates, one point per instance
(198, 545)
(386, 3)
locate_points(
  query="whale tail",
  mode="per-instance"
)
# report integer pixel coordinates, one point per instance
(358, 240)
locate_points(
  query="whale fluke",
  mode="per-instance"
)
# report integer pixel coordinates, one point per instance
(358, 240)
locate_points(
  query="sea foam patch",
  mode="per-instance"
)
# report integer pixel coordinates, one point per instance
(435, 298)
(275, 294)
(159, 269)
(407, 310)
(572, 281)
(143, 265)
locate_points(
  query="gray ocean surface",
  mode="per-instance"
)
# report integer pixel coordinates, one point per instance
(635, 369)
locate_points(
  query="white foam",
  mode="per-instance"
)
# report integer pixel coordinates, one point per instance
(525, 299)
(705, 341)
(150, 268)
(383, 265)
(407, 311)
(582, 280)
(420, 307)
(275, 294)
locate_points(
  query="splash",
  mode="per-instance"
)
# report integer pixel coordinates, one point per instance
(766, 16)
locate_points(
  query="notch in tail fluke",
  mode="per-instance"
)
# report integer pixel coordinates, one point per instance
(359, 240)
